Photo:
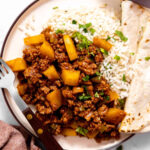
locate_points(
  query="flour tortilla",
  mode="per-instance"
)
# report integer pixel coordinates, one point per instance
(137, 105)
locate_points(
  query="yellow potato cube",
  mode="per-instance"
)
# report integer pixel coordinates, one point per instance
(113, 95)
(70, 47)
(70, 77)
(101, 43)
(34, 40)
(51, 73)
(47, 50)
(22, 88)
(69, 132)
(55, 99)
(114, 115)
(17, 64)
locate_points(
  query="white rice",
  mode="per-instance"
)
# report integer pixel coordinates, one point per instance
(105, 23)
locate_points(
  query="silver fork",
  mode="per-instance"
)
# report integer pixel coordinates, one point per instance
(7, 78)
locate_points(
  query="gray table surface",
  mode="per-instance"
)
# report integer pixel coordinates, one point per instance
(9, 10)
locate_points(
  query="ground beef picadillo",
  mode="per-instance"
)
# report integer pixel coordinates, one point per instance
(86, 109)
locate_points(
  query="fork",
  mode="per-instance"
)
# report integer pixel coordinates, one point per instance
(7, 78)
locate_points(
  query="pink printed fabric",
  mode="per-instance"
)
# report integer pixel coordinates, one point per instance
(12, 139)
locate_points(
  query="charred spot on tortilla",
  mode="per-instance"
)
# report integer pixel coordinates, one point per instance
(147, 40)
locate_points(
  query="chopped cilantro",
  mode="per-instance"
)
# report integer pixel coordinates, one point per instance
(91, 53)
(120, 147)
(102, 93)
(88, 25)
(96, 95)
(117, 57)
(121, 35)
(81, 26)
(63, 24)
(124, 78)
(132, 53)
(107, 98)
(83, 41)
(147, 58)
(121, 102)
(108, 38)
(74, 22)
(85, 30)
(86, 78)
(56, 7)
(82, 131)
(104, 51)
(59, 31)
(92, 31)
(84, 97)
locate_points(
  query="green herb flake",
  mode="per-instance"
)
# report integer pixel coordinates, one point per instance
(84, 97)
(132, 53)
(108, 38)
(86, 78)
(107, 98)
(147, 58)
(124, 78)
(96, 95)
(85, 30)
(104, 51)
(83, 41)
(82, 131)
(81, 26)
(121, 35)
(74, 22)
(56, 7)
(63, 24)
(101, 93)
(91, 53)
(59, 31)
(120, 148)
(121, 102)
(92, 31)
(117, 57)
(88, 25)
(98, 73)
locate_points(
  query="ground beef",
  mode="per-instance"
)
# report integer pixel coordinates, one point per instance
(87, 107)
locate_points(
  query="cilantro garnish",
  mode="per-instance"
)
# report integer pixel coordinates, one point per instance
(56, 7)
(132, 53)
(108, 38)
(147, 58)
(83, 41)
(84, 97)
(117, 57)
(58, 31)
(86, 78)
(96, 95)
(124, 78)
(82, 131)
(121, 35)
(104, 51)
(74, 22)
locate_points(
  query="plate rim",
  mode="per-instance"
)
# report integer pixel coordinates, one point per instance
(3, 91)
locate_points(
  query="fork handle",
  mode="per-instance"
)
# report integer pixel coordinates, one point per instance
(42, 131)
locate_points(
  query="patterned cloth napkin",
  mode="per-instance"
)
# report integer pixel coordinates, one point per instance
(15, 138)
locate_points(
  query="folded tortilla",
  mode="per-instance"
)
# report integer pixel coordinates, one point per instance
(137, 105)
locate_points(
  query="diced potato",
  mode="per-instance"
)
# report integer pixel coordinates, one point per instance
(114, 115)
(47, 50)
(70, 47)
(55, 99)
(70, 77)
(113, 95)
(34, 40)
(69, 132)
(101, 43)
(51, 73)
(22, 88)
(17, 64)
(77, 90)
(92, 135)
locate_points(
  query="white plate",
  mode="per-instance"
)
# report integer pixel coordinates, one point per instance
(13, 46)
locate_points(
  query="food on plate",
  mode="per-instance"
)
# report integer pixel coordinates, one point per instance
(80, 74)
(69, 92)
